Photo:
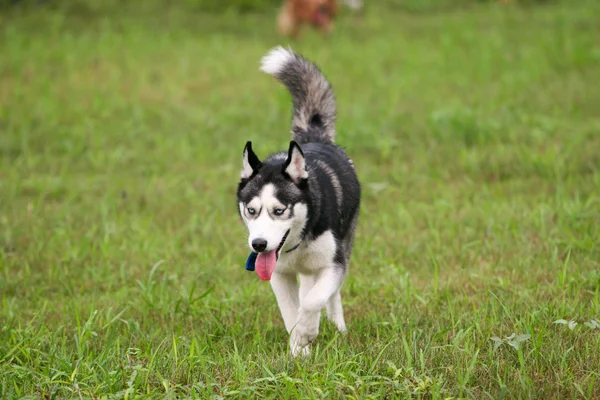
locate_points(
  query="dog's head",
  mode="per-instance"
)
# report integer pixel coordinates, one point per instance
(273, 199)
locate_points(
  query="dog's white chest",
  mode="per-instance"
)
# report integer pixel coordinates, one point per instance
(310, 257)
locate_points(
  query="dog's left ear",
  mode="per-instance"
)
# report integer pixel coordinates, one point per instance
(250, 162)
(295, 165)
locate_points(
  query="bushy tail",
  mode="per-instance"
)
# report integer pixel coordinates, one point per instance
(312, 96)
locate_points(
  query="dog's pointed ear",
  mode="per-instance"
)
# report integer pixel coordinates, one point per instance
(250, 163)
(295, 165)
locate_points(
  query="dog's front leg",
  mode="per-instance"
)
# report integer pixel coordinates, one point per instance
(307, 328)
(285, 288)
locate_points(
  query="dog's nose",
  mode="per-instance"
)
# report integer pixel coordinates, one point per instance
(259, 244)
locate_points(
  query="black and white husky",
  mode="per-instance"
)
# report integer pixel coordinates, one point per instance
(301, 206)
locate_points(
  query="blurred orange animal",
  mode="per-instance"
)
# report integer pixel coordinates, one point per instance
(297, 13)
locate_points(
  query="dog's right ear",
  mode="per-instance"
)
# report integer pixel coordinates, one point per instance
(250, 163)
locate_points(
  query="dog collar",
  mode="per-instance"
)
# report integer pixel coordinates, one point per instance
(251, 260)
(294, 248)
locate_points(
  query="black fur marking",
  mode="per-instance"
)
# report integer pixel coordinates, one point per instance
(255, 164)
(281, 243)
(316, 121)
(272, 172)
(253, 160)
(323, 213)
(287, 162)
(293, 145)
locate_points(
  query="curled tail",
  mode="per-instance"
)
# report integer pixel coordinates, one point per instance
(312, 96)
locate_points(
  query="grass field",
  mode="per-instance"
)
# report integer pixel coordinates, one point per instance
(476, 134)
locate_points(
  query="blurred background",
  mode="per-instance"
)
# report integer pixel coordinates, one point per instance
(474, 126)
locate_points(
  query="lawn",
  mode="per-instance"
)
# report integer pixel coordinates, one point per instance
(476, 136)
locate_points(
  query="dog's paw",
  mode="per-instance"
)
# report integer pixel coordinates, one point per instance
(298, 350)
(339, 324)
(299, 342)
(342, 329)
(304, 333)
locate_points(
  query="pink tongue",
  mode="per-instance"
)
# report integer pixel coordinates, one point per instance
(265, 264)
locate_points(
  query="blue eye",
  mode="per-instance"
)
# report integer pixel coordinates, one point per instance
(278, 211)
(251, 211)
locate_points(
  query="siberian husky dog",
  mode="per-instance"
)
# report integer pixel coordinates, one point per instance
(301, 206)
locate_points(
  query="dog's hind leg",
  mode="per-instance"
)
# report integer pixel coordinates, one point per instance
(335, 311)
(285, 288)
